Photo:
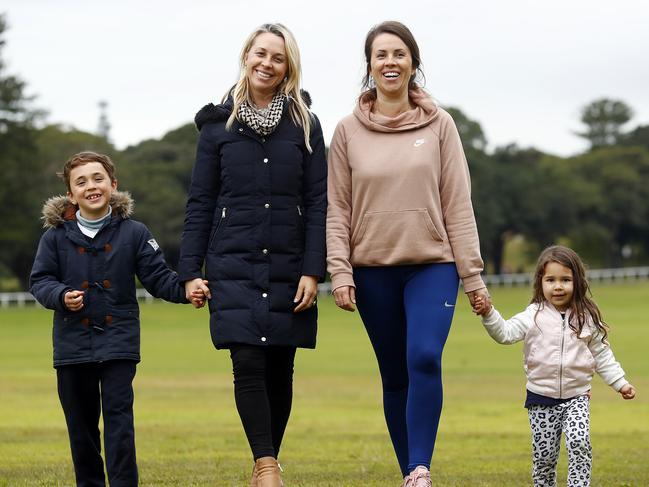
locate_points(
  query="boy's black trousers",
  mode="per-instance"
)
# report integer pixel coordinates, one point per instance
(85, 391)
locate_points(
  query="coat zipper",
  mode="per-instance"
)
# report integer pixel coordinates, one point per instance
(299, 210)
(563, 335)
(216, 228)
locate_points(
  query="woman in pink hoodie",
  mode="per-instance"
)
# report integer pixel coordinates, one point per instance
(401, 233)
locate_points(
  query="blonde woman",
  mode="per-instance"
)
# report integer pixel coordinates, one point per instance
(256, 218)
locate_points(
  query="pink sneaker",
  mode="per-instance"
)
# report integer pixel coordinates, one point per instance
(406, 481)
(419, 477)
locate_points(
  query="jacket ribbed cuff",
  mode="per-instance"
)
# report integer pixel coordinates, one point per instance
(472, 283)
(314, 264)
(342, 279)
(619, 384)
(491, 318)
(188, 276)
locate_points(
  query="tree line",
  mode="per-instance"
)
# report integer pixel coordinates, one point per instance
(596, 201)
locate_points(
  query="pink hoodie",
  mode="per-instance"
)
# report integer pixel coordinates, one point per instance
(400, 193)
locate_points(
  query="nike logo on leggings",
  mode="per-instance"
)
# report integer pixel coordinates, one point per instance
(446, 305)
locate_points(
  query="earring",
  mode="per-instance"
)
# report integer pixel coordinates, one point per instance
(371, 83)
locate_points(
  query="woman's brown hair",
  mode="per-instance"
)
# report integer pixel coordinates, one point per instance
(402, 32)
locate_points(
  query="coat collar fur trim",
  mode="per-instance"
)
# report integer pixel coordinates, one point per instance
(58, 209)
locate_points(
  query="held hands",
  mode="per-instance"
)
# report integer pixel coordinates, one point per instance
(627, 391)
(73, 300)
(480, 301)
(307, 292)
(345, 297)
(196, 291)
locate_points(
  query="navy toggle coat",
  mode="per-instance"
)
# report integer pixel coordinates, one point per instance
(105, 267)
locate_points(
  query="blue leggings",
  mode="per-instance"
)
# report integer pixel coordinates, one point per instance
(407, 311)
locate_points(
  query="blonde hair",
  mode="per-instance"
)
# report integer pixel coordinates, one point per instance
(299, 111)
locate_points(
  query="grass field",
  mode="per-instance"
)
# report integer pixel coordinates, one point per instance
(188, 432)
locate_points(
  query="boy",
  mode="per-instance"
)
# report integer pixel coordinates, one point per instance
(85, 271)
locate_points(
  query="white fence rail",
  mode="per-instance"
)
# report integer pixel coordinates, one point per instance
(594, 275)
(623, 274)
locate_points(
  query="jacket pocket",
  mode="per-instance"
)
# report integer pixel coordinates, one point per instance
(300, 229)
(122, 330)
(530, 363)
(218, 224)
(581, 360)
(396, 237)
(70, 336)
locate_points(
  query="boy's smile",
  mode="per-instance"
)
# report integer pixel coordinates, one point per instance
(91, 189)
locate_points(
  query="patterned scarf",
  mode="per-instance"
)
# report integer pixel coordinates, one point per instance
(262, 120)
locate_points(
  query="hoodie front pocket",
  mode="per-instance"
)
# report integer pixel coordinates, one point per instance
(396, 237)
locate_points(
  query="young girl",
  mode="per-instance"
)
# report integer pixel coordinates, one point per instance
(565, 342)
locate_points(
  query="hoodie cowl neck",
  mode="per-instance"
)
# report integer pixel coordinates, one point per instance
(424, 112)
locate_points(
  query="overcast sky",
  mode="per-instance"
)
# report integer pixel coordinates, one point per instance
(521, 68)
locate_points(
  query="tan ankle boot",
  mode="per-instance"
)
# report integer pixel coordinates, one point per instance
(253, 480)
(268, 473)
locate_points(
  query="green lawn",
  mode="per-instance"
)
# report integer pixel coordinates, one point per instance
(188, 432)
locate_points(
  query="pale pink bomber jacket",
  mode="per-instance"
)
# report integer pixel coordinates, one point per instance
(400, 193)
(558, 364)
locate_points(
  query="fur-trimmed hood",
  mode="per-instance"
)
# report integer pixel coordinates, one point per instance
(58, 209)
(222, 111)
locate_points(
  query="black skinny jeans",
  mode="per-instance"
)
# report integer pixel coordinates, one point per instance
(263, 392)
(86, 391)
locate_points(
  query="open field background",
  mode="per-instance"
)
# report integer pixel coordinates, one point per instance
(188, 432)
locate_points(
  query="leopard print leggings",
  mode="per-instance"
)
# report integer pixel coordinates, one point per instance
(547, 423)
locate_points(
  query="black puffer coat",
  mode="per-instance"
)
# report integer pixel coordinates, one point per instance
(108, 325)
(256, 216)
